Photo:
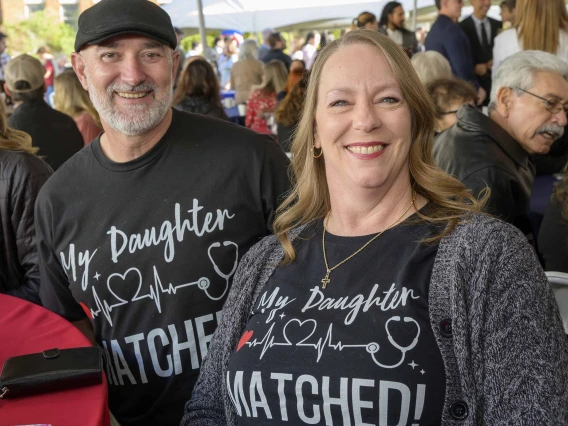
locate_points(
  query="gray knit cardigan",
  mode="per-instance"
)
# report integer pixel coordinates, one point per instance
(505, 352)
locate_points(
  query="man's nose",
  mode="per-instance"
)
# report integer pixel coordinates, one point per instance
(560, 118)
(132, 71)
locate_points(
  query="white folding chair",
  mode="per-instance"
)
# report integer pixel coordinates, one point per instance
(559, 283)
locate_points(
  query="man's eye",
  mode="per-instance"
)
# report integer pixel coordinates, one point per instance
(108, 55)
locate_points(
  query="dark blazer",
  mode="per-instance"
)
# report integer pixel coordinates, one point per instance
(447, 38)
(479, 55)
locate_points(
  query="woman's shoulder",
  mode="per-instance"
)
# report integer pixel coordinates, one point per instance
(19, 163)
(484, 235)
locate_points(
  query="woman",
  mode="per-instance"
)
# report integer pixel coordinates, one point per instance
(539, 25)
(70, 98)
(365, 21)
(198, 89)
(226, 61)
(289, 112)
(22, 175)
(247, 72)
(431, 66)
(385, 294)
(553, 233)
(297, 71)
(262, 102)
(310, 48)
(448, 96)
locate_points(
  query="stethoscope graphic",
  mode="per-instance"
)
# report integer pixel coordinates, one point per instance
(373, 347)
(226, 277)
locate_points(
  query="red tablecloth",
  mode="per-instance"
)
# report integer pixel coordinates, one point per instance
(27, 328)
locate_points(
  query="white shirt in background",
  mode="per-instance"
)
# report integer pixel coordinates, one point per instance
(507, 44)
(395, 36)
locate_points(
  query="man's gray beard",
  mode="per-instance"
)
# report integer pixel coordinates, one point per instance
(141, 118)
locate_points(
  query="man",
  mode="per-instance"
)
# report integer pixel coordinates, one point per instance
(481, 31)
(277, 46)
(54, 133)
(265, 46)
(447, 38)
(4, 58)
(392, 25)
(139, 235)
(526, 115)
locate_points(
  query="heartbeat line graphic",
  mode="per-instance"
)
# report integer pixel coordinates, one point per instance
(157, 288)
(155, 291)
(268, 341)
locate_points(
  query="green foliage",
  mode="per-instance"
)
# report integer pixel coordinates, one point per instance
(41, 29)
(186, 41)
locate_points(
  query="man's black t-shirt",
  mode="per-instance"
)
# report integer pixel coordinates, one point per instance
(360, 351)
(147, 250)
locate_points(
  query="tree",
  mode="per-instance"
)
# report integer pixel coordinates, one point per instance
(41, 29)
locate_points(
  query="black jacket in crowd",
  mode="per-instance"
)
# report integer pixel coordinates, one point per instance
(480, 153)
(21, 177)
(409, 41)
(54, 133)
(553, 237)
(278, 55)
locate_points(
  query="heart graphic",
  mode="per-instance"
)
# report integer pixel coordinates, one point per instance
(303, 331)
(245, 338)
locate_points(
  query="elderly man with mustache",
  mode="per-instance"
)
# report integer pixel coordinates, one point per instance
(527, 113)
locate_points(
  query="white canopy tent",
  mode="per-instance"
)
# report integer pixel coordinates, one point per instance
(255, 15)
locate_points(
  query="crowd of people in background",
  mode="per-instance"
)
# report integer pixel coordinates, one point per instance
(471, 112)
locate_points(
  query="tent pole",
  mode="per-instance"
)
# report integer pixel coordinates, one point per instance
(202, 25)
(413, 15)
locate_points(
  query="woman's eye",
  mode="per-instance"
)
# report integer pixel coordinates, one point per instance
(338, 103)
(389, 100)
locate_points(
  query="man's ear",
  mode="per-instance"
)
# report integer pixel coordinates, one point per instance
(504, 100)
(175, 63)
(7, 90)
(78, 62)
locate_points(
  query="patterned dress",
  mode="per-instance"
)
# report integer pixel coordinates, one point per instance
(260, 103)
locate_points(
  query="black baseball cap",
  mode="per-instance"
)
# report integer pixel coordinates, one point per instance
(110, 18)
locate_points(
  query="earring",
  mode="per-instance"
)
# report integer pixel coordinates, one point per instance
(314, 152)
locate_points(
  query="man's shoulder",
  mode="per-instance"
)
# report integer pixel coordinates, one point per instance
(495, 22)
(466, 23)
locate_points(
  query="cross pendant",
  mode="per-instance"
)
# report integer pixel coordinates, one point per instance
(325, 281)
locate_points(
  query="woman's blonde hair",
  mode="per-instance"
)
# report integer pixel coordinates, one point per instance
(309, 198)
(11, 139)
(539, 23)
(274, 77)
(70, 98)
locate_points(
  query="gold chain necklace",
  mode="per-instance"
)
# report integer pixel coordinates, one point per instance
(325, 281)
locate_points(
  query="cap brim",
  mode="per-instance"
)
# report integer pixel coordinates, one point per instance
(118, 33)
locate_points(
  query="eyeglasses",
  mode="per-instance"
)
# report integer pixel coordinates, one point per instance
(553, 106)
